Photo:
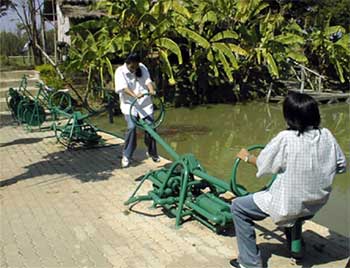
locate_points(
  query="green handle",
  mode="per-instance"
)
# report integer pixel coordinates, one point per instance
(157, 121)
(238, 189)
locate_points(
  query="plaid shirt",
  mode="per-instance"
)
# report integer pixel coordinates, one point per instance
(305, 166)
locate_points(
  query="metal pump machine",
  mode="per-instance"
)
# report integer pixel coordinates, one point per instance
(185, 189)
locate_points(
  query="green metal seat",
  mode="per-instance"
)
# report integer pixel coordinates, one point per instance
(294, 238)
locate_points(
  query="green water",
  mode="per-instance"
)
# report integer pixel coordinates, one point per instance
(215, 133)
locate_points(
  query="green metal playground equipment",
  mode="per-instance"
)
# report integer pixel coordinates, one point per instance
(30, 109)
(185, 189)
(14, 96)
(72, 128)
(75, 130)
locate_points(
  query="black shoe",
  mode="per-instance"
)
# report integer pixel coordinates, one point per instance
(235, 263)
(155, 159)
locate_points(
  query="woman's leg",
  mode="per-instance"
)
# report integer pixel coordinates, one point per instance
(244, 211)
(149, 141)
(130, 138)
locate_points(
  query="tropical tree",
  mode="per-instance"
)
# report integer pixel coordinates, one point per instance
(89, 54)
(146, 28)
(269, 39)
(326, 25)
(127, 27)
(4, 6)
(205, 43)
(331, 47)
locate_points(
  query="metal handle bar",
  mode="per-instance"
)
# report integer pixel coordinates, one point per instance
(157, 121)
(238, 189)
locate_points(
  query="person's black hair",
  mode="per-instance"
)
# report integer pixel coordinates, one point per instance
(301, 112)
(134, 57)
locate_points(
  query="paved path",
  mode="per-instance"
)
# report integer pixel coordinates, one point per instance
(64, 208)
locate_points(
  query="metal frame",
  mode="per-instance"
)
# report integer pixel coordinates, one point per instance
(185, 189)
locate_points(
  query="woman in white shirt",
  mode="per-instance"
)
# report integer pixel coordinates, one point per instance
(132, 80)
(305, 158)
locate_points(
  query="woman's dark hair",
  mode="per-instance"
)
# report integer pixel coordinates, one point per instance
(301, 112)
(134, 57)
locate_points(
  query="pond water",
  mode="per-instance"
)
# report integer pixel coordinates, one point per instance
(215, 133)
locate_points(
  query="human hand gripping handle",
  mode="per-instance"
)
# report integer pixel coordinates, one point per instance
(132, 94)
(140, 95)
(244, 155)
(151, 89)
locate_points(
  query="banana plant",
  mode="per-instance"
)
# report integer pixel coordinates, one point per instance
(331, 45)
(219, 46)
(146, 28)
(270, 39)
(90, 53)
(224, 39)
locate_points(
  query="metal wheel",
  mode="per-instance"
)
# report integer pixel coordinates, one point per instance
(158, 107)
(21, 108)
(34, 114)
(240, 190)
(61, 100)
(62, 135)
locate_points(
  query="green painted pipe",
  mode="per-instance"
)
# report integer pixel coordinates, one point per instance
(209, 205)
(218, 219)
(218, 200)
(205, 222)
(159, 140)
(137, 199)
(161, 201)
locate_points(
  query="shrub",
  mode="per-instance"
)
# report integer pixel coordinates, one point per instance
(49, 76)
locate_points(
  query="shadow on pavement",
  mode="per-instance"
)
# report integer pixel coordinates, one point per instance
(88, 165)
(318, 250)
(132, 209)
(7, 120)
(22, 141)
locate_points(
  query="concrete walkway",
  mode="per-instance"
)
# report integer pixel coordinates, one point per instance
(64, 208)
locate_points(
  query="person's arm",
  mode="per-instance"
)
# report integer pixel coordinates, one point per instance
(341, 159)
(122, 86)
(151, 89)
(132, 94)
(148, 81)
(272, 159)
(247, 157)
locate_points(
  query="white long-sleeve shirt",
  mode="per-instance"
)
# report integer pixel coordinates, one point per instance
(305, 166)
(125, 79)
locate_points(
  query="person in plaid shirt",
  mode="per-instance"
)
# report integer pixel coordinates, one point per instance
(305, 158)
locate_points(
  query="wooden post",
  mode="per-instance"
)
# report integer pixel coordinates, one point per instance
(302, 85)
(319, 84)
(269, 93)
(54, 16)
(43, 32)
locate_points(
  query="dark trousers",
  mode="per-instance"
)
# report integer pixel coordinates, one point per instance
(245, 211)
(131, 139)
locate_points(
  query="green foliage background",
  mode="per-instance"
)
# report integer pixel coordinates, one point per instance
(207, 51)
(202, 51)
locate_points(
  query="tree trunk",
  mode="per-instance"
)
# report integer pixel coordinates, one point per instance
(43, 31)
(35, 35)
